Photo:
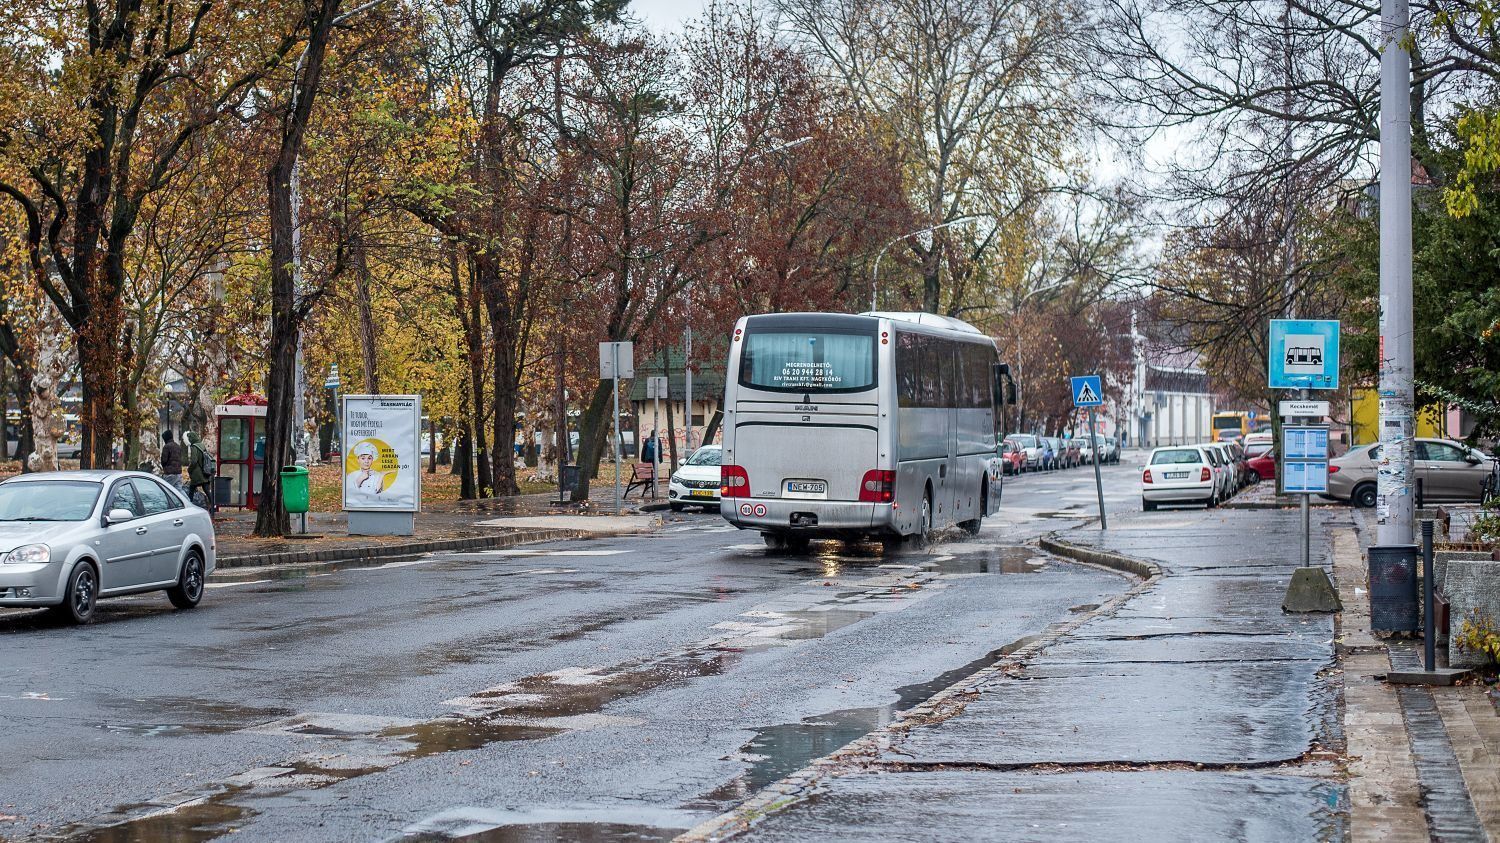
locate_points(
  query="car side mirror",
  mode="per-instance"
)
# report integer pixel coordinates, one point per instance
(118, 516)
(1472, 460)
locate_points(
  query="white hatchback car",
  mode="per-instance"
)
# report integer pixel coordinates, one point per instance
(1179, 474)
(696, 481)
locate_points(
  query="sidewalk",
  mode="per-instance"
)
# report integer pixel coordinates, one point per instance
(466, 525)
(1190, 709)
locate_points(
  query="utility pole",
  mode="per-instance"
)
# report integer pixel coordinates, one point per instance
(1394, 508)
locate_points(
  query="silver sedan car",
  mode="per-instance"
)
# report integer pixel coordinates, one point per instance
(68, 538)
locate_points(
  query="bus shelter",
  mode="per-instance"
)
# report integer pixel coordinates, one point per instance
(241, 453)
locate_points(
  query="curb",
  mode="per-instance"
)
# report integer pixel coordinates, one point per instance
(350, 554)
(947, 703)
(1149, 571)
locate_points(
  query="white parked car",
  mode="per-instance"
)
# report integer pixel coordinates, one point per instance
(68, 538)
(1224, 469)
(696, 481)
(1179, 474)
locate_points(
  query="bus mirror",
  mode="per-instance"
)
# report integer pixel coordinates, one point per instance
(999, 374)
(1010, 391)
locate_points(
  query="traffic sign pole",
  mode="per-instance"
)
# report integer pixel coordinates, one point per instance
(1098, 481)
(614, 353)
(1088, 393)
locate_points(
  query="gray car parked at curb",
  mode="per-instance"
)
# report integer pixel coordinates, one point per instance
(68, 538)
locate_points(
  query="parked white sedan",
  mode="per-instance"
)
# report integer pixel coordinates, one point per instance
(1179, 474)
(696, 481)
(68, 538)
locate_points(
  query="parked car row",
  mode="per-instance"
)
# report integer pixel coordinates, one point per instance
(1208, 474)
(1447, 471)
(1023, 452)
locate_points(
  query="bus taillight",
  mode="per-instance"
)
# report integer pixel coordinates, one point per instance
(734, 482)
(878, 486)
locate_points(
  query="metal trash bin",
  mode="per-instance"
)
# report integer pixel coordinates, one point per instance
(569, 480)
(223, 491)
(1393, 588)
(295, 494)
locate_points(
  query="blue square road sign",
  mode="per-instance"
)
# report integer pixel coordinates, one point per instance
(1304, 354)
(1088, 391)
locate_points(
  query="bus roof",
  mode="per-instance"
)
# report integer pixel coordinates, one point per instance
(932, 320)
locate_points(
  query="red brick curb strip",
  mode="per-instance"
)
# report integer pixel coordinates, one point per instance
(346, 554)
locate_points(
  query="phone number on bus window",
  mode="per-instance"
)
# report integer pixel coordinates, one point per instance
(813, 374)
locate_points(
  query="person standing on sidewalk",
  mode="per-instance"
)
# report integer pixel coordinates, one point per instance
(200, 471)
(171, 461)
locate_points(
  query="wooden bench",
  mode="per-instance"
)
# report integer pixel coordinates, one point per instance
(640, 476)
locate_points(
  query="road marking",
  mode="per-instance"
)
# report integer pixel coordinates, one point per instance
(232, 584)
(519, 552)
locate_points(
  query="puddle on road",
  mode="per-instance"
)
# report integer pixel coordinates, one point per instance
(559, 832)
(817, 624)
(553, 695)
(1005, 559)
(778, 751)
(209, 819)
(202, 717)
(454, 734)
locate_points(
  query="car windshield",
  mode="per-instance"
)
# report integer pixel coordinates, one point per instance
(706, 456)
(1182, 456)
(1255, 449)
(1025, 440)
(48, 500)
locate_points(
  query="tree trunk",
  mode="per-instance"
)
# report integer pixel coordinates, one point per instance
(367, 336)
(271, 519)
(46, 400)
(595, 430)
(503, 332)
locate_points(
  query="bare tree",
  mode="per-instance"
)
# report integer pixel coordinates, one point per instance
(977, 95)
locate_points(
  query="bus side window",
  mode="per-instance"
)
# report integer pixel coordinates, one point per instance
(908, 369)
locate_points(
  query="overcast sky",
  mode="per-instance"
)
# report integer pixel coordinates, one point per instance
(666, 15)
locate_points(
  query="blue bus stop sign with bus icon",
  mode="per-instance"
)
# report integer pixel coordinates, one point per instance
(1304, 354)
(1088, 391)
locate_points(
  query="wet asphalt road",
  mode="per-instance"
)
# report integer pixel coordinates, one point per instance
(610, 689)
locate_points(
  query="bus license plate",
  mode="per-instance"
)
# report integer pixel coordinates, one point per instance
(806, 489)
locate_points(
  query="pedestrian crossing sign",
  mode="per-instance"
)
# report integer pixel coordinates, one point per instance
(1087, 391)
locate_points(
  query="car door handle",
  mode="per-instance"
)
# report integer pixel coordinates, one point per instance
(177, 522)
(140, 531)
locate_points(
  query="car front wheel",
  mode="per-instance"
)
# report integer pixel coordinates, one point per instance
(189, 588)
(82, 595)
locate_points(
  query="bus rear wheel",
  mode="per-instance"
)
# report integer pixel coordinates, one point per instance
(924, 527)
(973, 525)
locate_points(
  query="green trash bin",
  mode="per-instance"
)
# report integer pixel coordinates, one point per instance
(294, 489)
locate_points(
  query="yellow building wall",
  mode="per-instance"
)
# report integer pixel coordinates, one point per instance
(1430, 419)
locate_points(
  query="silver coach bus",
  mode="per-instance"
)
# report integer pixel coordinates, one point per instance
(878, 425)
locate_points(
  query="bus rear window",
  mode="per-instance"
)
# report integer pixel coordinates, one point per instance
(808, 361)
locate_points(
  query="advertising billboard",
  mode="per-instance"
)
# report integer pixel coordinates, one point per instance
(382, 453)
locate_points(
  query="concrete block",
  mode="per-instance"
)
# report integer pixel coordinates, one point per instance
(1471, 585)
(1310, 591)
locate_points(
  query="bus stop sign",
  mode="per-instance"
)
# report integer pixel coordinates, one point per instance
(1087, 391)
(1304, 354)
